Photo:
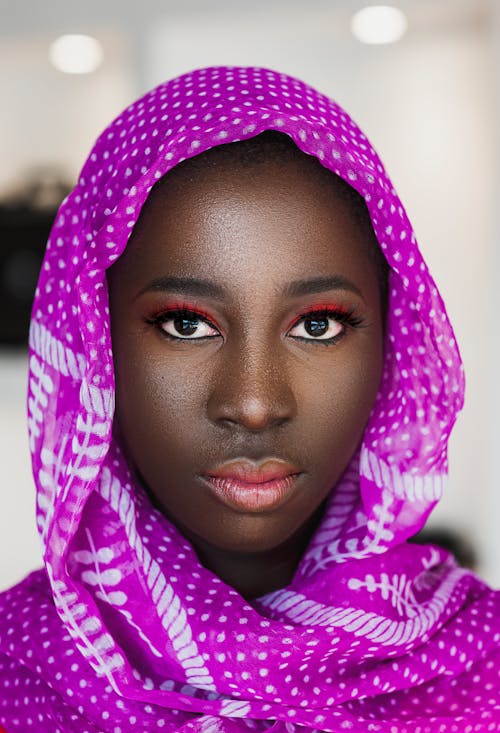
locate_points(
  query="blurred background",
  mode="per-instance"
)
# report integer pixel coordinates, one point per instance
(425, 87)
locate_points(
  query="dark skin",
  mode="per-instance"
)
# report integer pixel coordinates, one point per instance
(251, 376)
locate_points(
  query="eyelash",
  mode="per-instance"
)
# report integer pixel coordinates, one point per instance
(187, 312)
(346, 318)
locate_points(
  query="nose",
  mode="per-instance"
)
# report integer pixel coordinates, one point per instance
(252, 388)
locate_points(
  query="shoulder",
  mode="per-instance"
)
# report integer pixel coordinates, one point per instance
(17, 601)
(28, 624)
(24, 610)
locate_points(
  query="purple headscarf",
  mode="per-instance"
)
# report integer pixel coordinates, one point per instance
(124, 630)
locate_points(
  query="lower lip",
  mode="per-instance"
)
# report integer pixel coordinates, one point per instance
(252, 497)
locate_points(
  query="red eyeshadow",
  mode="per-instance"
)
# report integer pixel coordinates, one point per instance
(182, 305)
(319, 307)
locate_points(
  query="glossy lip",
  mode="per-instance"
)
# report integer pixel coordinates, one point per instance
(245, 486)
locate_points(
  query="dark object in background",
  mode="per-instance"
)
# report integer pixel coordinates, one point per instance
(25, 222)
(451, 540)
(23, 236)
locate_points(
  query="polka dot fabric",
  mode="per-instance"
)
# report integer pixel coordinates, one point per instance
(123, 629)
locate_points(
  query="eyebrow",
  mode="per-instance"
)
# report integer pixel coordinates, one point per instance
(191, 285)
(207, 289)
(320, 284)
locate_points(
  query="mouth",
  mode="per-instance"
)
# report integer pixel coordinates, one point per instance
(247, 487)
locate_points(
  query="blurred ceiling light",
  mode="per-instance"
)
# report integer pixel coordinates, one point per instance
(379, 24)
(76, 54)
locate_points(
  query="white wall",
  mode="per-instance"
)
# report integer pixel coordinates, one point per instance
(428, 104)
(50, 118)
(19, 547)
(489, 358)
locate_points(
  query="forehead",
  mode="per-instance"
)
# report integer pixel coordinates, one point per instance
(229, 211)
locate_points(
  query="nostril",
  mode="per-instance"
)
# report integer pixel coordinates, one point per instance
(254, 414)
(254, 389)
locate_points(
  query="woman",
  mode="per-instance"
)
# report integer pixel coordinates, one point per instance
(227, 550)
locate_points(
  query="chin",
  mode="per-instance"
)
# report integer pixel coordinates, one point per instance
(252, 535)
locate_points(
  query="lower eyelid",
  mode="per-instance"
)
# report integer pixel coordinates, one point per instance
(325, 342)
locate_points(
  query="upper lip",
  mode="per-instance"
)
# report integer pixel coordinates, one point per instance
(251, 472)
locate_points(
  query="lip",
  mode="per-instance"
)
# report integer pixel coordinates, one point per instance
(247, 487)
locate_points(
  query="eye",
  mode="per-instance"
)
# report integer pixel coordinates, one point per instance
(185, 325)
(324, 325)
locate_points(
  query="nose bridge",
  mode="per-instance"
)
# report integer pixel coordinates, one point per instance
(252, 386)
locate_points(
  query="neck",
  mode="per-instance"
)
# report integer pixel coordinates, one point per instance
(254, 574)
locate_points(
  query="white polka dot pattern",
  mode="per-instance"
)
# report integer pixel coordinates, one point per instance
(372, 634)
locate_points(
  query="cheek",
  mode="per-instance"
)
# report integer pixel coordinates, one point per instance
(336, 402)
(158, 410)
(162, 417)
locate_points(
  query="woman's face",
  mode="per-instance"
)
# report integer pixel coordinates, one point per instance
(248, 342)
